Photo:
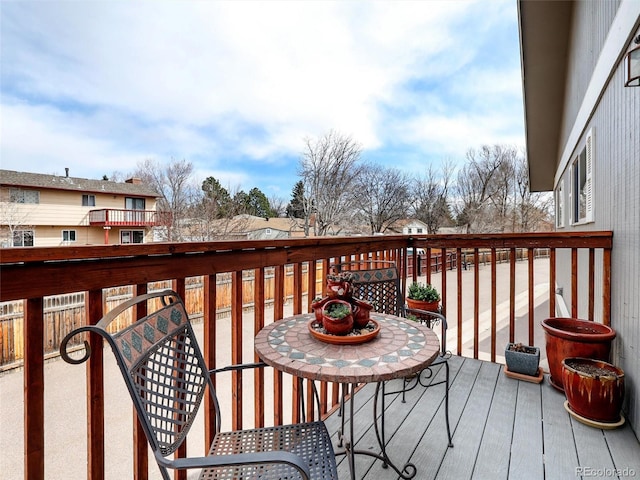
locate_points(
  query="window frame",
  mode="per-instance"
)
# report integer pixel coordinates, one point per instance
(130, 203)
(22, 233)
(131, 233)
(70, 233)
(20, 195)
(88, 197)
(581, 176)
(560, 205)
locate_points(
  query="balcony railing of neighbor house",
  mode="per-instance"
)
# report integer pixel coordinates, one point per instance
(258, 281)
(109, 217)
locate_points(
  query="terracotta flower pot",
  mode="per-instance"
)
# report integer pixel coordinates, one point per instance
(361, 312)
(572, 337)
(317, 305)
(422, 305)
(594, 389)
(333, 325)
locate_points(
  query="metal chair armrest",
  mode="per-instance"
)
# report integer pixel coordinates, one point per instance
(277, 456)
(237, 367)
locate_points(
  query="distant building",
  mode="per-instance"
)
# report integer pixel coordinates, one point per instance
(49, 210)
(249, 227)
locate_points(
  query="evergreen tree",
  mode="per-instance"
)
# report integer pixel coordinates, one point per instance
(295, 209)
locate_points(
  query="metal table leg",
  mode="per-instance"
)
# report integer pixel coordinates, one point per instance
(408, 471)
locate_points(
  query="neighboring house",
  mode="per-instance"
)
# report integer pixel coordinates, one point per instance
(49, 210)
(260, 228)
(409, 226)
(249, 227)
(583, 143)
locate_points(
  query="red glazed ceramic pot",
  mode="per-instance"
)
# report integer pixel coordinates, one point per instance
(361, 312)
(337, 326)
(572, 337)
(594, 389)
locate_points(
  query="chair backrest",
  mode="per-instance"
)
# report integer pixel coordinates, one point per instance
(376, 281)
(162, 366)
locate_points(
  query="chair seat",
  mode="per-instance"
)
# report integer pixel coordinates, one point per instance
(309, 440)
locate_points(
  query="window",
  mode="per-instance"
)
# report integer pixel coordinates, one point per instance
(18, 195)
(132, 203)
(68, 236)
(559, 198)
(131, 236)
(23, 238)
(268, 231)
(88, 200)
(419, 230)
(582, 183)
(409, 230)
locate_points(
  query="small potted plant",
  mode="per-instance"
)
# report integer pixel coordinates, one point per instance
(522, 359)
(423, 296)
(337, 317)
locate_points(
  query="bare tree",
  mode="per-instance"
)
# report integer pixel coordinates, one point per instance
(531, 211)
(382, 196)
(494, 195)
(329, 168)
(476, 186)
(430, 197)
(174, 185)
(278, 206)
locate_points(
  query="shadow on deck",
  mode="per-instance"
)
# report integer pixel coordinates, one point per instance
(502, 429)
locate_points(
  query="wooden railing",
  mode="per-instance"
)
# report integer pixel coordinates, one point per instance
(114, 217)
(31, 274)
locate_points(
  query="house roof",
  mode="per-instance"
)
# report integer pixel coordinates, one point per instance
(55, 182)
(544, 26)
(254, 223)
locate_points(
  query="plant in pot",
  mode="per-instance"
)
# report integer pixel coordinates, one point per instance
(522, 359)
(337, 317)
(423, 296)
(594, 390)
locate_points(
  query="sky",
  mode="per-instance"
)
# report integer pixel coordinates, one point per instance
(238, 87)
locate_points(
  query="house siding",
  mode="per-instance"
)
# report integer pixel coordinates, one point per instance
(591, 24)
(616, 195)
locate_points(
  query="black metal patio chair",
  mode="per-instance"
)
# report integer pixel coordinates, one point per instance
(378, 282)
(166, 376)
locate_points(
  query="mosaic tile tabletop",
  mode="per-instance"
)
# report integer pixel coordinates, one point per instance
(400, 349)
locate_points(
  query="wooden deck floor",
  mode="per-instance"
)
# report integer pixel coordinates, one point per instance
(502, 429)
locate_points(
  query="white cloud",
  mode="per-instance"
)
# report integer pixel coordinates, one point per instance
(222, 82)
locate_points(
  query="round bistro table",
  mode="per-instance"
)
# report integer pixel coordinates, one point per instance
(401, 348)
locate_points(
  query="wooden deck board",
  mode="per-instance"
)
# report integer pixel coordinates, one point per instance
(503, 429)
(495, 449)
